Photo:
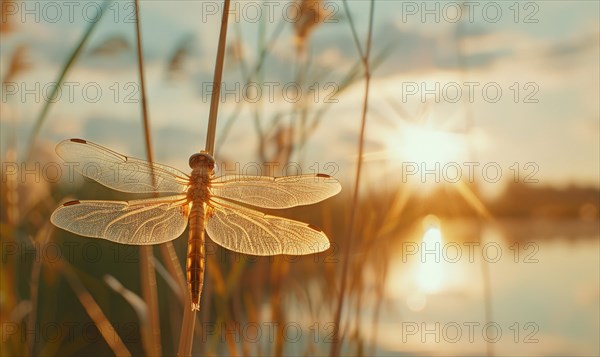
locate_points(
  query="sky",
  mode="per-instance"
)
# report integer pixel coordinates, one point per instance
(509, 87)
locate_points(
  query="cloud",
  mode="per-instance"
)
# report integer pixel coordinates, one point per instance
(565, 54)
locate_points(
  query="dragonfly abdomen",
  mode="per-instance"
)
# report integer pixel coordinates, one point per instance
(195, 254)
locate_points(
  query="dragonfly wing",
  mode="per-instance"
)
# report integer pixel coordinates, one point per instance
(251, 232)
(139, 222)
(276, 192)
(120, 172)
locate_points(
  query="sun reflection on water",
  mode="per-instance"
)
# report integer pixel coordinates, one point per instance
(429, 272)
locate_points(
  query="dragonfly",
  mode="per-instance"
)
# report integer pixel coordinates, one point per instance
(215, 205)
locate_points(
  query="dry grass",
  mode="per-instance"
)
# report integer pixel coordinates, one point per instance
(365, 57)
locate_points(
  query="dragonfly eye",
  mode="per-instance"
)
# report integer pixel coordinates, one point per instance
(202, 160)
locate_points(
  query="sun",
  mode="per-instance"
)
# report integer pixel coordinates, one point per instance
(420, 153)
(425, 145)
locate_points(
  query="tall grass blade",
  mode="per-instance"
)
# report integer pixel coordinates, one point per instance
(337, 337)
(171, 261)
(148, 274)
(138, 305)
(90, 305)
(250, 77)
(42, 239)
(61, 77)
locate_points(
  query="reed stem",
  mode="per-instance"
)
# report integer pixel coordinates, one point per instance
(148, 274)
(337, 337)
(216, 90)
(189, 316)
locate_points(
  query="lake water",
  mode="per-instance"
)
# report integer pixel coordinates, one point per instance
(543, 278)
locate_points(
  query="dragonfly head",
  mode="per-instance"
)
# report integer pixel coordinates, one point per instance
(201, 160)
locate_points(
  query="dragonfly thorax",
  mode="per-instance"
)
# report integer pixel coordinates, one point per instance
(203, 166)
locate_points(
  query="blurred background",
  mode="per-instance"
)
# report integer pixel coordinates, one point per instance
(477, 222)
